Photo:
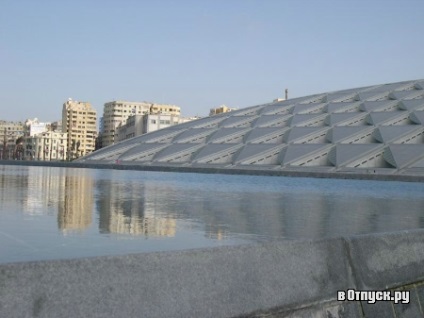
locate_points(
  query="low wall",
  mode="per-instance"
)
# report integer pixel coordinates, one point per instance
(413, 176)
(280, 279)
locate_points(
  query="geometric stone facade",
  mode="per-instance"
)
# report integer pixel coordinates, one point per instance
(375, 129)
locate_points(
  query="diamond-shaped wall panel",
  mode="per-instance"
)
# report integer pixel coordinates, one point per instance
(341, 133)
(194, 135)
(228, 135)
(142, 152)
(259, 154)
(266, 135)
(347, 154)
(406, 154)
(277, 110)
(413, 104)
(342, 107)
(346, 119)
(177, 153)
(306, 154)
(393, 134)
(417, 117)
(217, 153)
(307, 135)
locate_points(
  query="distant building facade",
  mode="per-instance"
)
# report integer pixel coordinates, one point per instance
(56, 126)
(117, 112)
(79, 122)
(131, 128)
(221, 109)
(33, 127)
(10, 131)
(142, 124)
(46, 146)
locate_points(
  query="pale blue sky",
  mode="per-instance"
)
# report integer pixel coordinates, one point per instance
(199, 54)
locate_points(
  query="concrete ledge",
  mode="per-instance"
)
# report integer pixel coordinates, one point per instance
(386, 261)
(356, 175)
(284, 279)
(221, 282)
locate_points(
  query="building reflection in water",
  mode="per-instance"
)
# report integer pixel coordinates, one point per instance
(219, 207)
(38, 191)
(290, 213)
(134, 208)
(76, 208)
(258, 212)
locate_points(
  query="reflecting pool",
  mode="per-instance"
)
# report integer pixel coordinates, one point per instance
(56, 213)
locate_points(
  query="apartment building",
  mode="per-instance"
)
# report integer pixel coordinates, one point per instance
(117, 112)
(79, 122)
(46, 146)
(56, 125)
(33, 127)
(141, 124)
(10, 131)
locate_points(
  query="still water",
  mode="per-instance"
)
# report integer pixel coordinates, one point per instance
(57, 213)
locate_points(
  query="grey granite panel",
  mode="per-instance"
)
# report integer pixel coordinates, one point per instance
(391, 260)
(322, 310)
(343, 310)
(221, 282)
(411, 310)
(380, 309)
(420, 295)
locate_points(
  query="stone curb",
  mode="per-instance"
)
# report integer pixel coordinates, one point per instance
(287, 277)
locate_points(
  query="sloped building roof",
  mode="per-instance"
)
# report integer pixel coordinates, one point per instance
(377, 128)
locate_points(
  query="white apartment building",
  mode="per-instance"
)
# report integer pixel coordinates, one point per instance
(79, 122)
(46, 146)
(141, 124)
(117, 112)
(33, 127)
